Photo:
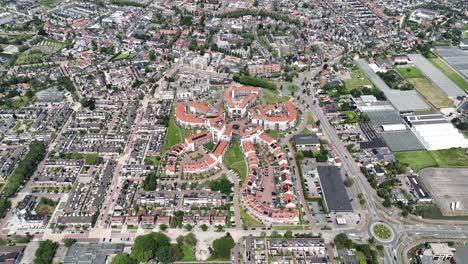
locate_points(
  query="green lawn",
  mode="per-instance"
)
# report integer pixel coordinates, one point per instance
(188, 254)
(361, 257)
(30, 58)
(293, 88)
(358, 79)
(209, 145)
(48, 3)
(247, 219)
(268, 98)
(410, 72)
(382, 231)
(450, 73)
(418, 160)
(234, 159)
(174, 135)
(120, 56)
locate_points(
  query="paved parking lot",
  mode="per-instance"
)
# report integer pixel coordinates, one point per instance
(447, 185)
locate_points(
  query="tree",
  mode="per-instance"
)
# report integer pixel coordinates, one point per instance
(92, 159)
(288, 234)
(349, 182)
(222, 185)
(122, 258)
(69, 241)
(150, 246)
(190, 239)
(149, 184)
(204, 227)
(222, 247)
(163, 227)
(143, 248)
(152, 55)
(342, 241)
(176, 253)
(188, 227)
(317, 123)
(46, 251)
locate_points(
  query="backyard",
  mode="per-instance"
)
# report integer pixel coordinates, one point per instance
(417, 160)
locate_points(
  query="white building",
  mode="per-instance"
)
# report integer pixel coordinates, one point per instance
(435, 132)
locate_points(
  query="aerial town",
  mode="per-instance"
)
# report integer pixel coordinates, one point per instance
(237, 131)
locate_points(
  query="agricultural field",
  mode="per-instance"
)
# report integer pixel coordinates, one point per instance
(425, 87)
(450, 73)
(49, 46)
(435, 96)
(417, 160)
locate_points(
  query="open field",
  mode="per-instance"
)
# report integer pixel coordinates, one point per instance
(410, 72)
(417, 160)
(358, 79)
(450, 73)
(234, 159)
(435, 96)
(447, 185)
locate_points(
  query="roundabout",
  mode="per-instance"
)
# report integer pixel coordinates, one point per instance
(382, 232)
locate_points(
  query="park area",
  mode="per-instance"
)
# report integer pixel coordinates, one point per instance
(358, 79)
(432, 94)
(417, 160)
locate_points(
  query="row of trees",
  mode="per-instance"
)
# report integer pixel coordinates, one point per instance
(25, 168)
(252, 81)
